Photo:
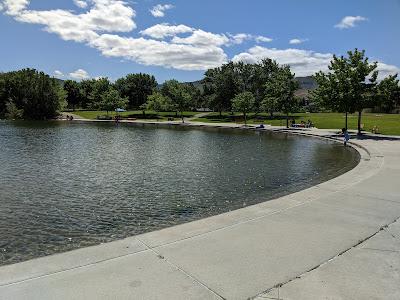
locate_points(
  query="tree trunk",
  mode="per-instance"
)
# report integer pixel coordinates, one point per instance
(271, 114)
(346, 122)
(287, 120)
(359, 122)
(183, 120)
(245, 118)
(220, 113)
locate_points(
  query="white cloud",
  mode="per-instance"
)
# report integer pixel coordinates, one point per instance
(302, 62)
(161, 53)
(297, 41)
(58, 74)
(350, 21)
(240, 38)
(262, 39)
(81, 3)
(161, 31)
(105, 15)
(385, 70)
(200, 37)
(79, 74)
(158, 11)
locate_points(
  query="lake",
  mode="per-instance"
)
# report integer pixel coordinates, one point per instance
(66, 185)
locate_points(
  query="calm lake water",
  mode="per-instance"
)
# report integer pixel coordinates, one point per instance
(68, 185)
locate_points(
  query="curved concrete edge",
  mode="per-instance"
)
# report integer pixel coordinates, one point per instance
(53, 264)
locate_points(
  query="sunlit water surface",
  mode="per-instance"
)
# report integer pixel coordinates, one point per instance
(68, 185)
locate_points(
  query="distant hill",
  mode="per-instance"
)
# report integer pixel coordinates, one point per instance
(306, 84)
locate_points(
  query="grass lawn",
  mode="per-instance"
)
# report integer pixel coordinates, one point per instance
(387, 123)
(138, 114)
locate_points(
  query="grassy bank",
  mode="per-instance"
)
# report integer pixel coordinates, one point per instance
(137, 114)
(388, 123)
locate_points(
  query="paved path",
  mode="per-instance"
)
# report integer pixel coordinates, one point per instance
(336, 240)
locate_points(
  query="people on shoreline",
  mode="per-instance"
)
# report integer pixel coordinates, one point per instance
(346, 136)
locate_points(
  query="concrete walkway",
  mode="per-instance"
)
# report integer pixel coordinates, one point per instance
(337, 240)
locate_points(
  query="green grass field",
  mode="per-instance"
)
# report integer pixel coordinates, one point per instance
(138, 114)
(387, 123)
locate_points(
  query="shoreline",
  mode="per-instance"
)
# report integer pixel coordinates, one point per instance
(217, 229)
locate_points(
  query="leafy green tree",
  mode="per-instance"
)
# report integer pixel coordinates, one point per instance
(35, 94)
(178, 95)
(349, 86)
(270, 104)
(100, 87)
(111, 100)
(12, 111)
(224, 84)
(281, 87)
(244, 103)
(158, 102)
(136, 87)
(388, 93)
(73, 93)
(86, 88)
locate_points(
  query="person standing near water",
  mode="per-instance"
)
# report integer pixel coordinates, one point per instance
(346, 136)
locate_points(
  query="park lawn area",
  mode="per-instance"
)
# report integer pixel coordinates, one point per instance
(138, 114)
(387, 123)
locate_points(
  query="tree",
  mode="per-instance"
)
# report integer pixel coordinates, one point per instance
(86, 88)
(244, 103)
(269, 104)
(136, 87)
(33, 94)
(178, 95)
(388, 93)
(349, 86)
(100, 87)
(73, 93)
(281, 87)
(111, 100)
(158, 102)
(224, 84)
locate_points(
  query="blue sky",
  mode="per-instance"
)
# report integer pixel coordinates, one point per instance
(180, 39)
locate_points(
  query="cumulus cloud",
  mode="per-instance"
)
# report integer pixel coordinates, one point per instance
(79, 74)
(350, 21)
(161, 31)
(104, 17)
(158, 11)
(386, 70)
(297, 41)
(161, 53)
(262, 39)
(240, 38)
(81, 3)
(200, 37)
(58, 74)
(302, 62)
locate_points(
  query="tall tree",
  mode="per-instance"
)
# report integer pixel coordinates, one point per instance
(111, 100)
(388, 93)
(244, 103)
(158, 102)
(350, 84)
(136, 87)
(100, 87)
(73, 93)
(34, 94)
(281, 87)
(178, 95)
